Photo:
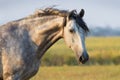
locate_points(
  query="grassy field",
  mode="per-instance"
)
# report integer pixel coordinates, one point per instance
(104, 61)
(111, 72)
(102, 50)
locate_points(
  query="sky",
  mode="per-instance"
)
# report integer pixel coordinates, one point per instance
(97, 12)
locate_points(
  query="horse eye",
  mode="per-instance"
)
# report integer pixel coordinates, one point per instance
(72, 30)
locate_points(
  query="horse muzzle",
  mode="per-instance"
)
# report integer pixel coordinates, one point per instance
(84, 58)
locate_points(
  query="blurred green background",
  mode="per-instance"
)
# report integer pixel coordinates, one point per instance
(102, 51)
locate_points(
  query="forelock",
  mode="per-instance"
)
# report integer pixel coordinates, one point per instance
(81, 23)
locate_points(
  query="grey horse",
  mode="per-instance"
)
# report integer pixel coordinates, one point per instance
(23, 42)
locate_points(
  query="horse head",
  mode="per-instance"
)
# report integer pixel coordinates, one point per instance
(74, 34)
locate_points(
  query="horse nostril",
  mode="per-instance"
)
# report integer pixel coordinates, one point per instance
(83, 59)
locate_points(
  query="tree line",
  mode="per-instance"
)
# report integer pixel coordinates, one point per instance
(104, 31)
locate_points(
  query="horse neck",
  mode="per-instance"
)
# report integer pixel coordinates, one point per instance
(46, 34)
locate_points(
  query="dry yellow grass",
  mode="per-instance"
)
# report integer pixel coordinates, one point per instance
(79, 73)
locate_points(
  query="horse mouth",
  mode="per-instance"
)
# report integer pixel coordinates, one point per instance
(84, 59)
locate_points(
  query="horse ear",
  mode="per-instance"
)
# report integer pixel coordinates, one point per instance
(82, 12)
(70, 15)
